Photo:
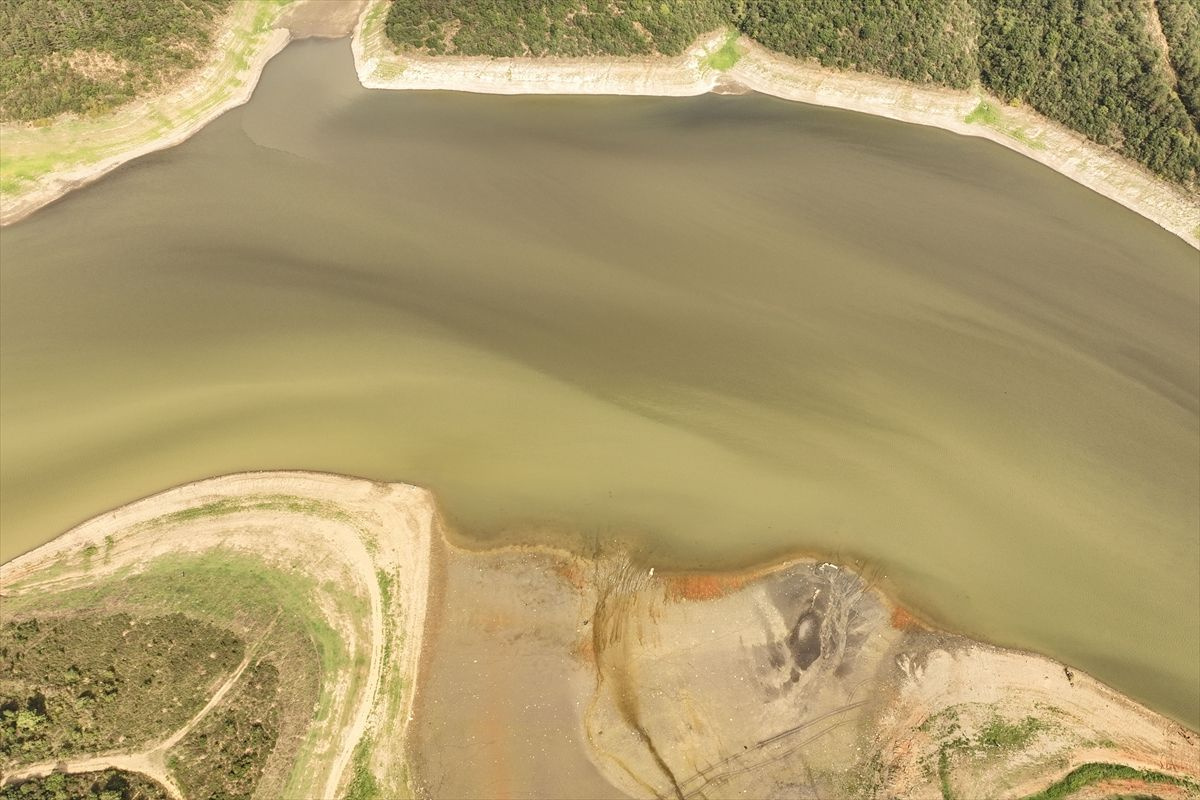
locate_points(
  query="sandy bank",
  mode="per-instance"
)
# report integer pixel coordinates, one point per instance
(760, 70)
(797, 680)
(342, 532)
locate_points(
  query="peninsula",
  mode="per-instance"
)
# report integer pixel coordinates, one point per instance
(339, 595)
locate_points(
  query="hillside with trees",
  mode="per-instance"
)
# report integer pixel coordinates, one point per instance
(1093, 65)
(924, 41)
(1181, 27)
(88, 56)
(552, 27)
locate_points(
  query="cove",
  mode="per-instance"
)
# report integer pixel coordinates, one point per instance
(718, 328)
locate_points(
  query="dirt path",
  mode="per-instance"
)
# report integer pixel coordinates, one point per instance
(218, 695)
(152, 761)
(329, 19)
(142, 763)
(1159, 37)
(370, 693)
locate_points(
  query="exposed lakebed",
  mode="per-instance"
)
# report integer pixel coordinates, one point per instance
(724, 327)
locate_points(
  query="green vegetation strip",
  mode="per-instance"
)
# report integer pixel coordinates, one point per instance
(363, 785)
(1093, 773)
(275, 502)
(726, 56)
(998, 737)
(986, 114)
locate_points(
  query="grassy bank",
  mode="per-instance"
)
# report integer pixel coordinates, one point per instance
(991, 116)
(1090, 774)
(34, 154)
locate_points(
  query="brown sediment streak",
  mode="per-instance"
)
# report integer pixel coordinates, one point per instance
(617, 594)
(645, 737)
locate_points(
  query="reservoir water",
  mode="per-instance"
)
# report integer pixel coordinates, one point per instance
(720, 328)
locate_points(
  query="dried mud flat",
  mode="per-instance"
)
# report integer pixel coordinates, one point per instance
(530, 672)
(551, 674)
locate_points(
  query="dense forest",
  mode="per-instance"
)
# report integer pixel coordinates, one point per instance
(553, 27)
(89, 56)
(926, 41)
(1126, 73)
(1181, 26)
(1094, 65)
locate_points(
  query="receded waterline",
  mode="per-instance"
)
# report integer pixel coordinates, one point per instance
(726, 327)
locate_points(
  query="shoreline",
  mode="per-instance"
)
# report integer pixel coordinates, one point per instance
(362, 530)
(188, 108)
(251, 34)
(761, 70)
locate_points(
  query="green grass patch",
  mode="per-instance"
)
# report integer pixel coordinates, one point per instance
(944, 773)
(1094, 773)
(726, 55)
(363, 785)
(388, 70)
(984, 114)
(997, 738)
(990, 117)
(1001, 735)
(278, 502)
(385, 589)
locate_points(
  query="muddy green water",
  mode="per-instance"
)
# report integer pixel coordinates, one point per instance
(726, 326)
